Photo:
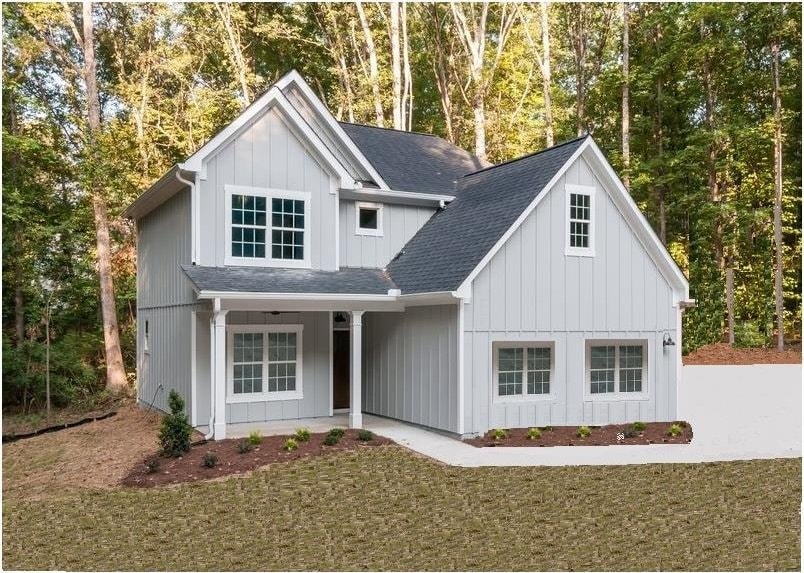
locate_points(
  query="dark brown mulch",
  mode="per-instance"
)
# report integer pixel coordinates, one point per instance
(654, 433)
(189, 468)
(723, 353)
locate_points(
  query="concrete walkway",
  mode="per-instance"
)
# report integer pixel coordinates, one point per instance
(736, 412)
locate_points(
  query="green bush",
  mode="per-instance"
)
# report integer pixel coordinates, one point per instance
(174, 435)
(748, 335)
(583, 432)
(255, 438)
(365, 435)
(244, 446)
(210, 460)
(331, 439)
(302, 434)
(152, 466)
(639, 426)
(337, 432)
(534, 433)
(674, 430)
(290, 445)
(630, 432)
(499, 433)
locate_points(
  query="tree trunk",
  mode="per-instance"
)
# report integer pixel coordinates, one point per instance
(236, 51)
(115, 371)
(19, 312)
(711, 153)
(730, 302)
(777, 203)
(440, 70)
(374, 77)
(396, 68)
(626, 126)
(546, 74)
(407, 88)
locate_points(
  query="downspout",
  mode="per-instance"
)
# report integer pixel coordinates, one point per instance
(193, 215)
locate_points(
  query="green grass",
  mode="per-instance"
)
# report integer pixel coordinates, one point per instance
(384, 508)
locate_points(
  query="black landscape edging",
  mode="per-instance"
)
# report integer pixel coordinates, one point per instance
(14, 437)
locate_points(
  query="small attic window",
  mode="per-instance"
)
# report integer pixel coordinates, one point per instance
(368, 219)
(580, 230)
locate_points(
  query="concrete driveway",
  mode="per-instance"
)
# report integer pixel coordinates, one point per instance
(736, 412)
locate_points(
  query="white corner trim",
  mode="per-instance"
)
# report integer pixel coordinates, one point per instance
(193, 373)
(570, 189)
(461, 338)
(378, 232)
(294, 77)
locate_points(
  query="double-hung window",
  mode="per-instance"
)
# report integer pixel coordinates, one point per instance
(522, 370)
(265, 362)
(617, 369)
(267, 227)
(580, 230)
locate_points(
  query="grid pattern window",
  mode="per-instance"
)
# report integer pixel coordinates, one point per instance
(602, 369)
(248, 226)
(247, 363)
(631, 361)
(580, 217)
(617, 368)
(281, 361)
(524, 370)
(287, 229)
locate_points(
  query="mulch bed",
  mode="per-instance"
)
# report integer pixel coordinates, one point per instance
(189, 468)
(654, 433)
(723, 353)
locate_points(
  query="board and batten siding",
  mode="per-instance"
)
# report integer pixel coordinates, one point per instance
(410, 365)
(165, 301)
(399, 224)
(532, 291)
(316, 367)
(268, 154)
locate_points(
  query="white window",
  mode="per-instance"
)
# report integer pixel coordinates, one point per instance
(265, 362)
(368, 219)
(267, 227)
(522, 370)
(580, 231)
(617, 369)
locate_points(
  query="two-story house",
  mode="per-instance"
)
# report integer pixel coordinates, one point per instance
(295, 266)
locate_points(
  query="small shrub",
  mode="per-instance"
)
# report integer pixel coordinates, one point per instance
(547, 429)
(255, 438)
(174, 435)
(290, 445)
(365, 435)
(499, 434)
(534, 433)
(583, 432)
(747, 334)
(210, 460)
(681, 423)
(152, 466)
(639, 426)
(331, 439)
(302, 434)
(244, 446)
(630, 432)
(674, 430)
(337, 432)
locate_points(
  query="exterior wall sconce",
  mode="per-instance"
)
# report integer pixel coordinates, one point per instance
(667, 341)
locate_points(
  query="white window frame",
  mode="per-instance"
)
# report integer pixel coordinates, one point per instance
(524, 397)
(617, 396)
(572, 189)
(378, 232)
(269, 194)
(265, 395)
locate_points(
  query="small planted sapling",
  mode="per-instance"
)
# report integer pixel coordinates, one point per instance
(499, 434)
(331, 439)
(290, 445)
(302, 434)
(244, 446)
(210, 460)
(675, 430)
(337, 432)
(255, 438)
(583, 432)
(534, 434)
(365, 435)
(174, 435)
(639, 426)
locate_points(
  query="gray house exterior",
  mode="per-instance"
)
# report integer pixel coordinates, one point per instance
(295, 267)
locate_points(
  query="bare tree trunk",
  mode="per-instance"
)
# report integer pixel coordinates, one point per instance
(626, 125)
(578, 39)
(374, 77)
(115, 371)
(236, 50)
(711, 154)
(19, 313)
(546, 74)
(396, 68)
(407, 91)
(440, 69)
(777, 203)
(730, 302)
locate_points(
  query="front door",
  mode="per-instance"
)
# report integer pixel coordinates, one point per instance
(340, 369)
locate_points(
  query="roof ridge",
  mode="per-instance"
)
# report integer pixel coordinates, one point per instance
(392, 129)
(527, 155)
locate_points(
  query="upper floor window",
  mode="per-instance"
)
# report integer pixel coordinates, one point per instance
(267, 227)
(368, 219)
(580, 220)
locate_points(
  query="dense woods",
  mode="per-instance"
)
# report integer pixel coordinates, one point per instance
(697, 105)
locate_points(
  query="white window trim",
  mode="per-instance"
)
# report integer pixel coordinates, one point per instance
(524, 397)
(269, 194)
(571, 189)
(265, 395)
(616, 396)
(378, 232)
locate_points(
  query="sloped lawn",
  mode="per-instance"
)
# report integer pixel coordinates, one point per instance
(385, 508)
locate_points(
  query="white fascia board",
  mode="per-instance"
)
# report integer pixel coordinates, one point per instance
(398, 197)
(227, 295)
(467, 282)
(273, 97)
(430, 298)
(294, 77)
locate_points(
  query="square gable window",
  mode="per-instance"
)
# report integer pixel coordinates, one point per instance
(368, 219)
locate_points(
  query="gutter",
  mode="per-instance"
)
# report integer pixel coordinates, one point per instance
(401, 197)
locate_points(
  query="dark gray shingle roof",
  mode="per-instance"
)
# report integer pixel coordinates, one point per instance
(275, 280)
(452, 243)
(413, 161)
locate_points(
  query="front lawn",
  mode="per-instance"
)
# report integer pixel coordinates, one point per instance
(385, 508)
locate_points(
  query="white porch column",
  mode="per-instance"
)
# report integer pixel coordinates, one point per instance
(355, 369)
(219, 371)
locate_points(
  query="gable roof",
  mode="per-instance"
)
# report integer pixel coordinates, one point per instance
(448, 248)
(410, 161)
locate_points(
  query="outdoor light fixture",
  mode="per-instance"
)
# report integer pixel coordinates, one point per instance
(667, 341)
